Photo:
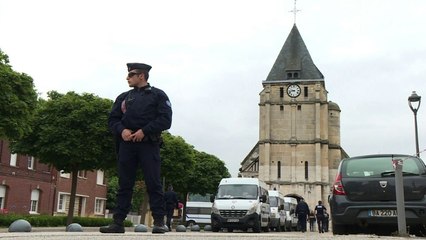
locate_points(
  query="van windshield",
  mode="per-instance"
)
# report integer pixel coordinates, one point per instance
(273, 201)
(238, 191)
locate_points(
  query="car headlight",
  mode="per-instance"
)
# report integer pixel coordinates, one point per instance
(252, 209)
(215, 210)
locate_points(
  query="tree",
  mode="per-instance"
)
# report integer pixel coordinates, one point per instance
(70, 132)
(18, 100)
(177, 162)
(207, 173)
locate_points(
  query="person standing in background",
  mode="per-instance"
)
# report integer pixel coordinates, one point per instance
(311, 220)
(302, 211)
(319, 213)
(171, 200)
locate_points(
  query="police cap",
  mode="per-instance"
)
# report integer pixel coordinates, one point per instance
(142, 66)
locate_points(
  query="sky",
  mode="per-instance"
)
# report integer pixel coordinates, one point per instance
(211, 57)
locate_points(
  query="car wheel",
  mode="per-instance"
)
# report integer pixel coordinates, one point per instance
(215, 229)
(230, 229)
(339, 229)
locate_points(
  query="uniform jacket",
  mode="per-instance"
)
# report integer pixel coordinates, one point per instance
(145, 108)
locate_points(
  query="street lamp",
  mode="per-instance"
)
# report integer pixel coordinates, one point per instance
(415, 99)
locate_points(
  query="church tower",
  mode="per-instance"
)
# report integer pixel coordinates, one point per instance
(299, 150)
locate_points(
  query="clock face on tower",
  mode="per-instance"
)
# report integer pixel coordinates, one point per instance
(293, 90)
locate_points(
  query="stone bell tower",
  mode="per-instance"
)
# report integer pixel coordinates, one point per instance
(299, 132)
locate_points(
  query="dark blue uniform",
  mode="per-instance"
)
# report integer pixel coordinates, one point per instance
(149, 109)
(302, 211)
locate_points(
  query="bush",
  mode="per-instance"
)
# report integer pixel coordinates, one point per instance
(56, 221)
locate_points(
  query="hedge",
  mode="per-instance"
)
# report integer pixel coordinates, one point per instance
(56, 221)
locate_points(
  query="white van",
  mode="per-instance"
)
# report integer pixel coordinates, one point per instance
(198, 209)
(241, 203)
(291, 220)
(278, 214)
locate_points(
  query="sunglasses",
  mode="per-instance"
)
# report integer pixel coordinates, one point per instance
(131, 74)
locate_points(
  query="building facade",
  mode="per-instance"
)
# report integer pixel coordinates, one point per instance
(30, 187)
(299, 150)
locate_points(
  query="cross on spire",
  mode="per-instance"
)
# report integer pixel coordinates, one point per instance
(294, 11)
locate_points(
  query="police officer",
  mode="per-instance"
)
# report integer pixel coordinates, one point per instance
(137, 119)
(302, 212)
(171, 200)
(319, 212)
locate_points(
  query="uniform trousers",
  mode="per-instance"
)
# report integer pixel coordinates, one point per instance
(131, 156)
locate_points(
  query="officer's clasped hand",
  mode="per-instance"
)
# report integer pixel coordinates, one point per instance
(137, 136)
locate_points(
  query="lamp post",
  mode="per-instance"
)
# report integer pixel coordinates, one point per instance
(415, 99)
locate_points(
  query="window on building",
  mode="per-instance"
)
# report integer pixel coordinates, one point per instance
(299, 107)
(281, 108)
(100, 177)
(30, 162)
(279, 169)
(305, 91)
(2, 196)
(63, 202)
(64, 174)
(35, 196)
(13, 158)
(99, 205)
(306, 170)
(82, 174)
(293, 74)
(281, 92)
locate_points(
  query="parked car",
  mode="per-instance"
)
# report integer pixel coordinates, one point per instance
(364, 197)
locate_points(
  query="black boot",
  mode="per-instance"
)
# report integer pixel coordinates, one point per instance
(158, 227)
(112, 228)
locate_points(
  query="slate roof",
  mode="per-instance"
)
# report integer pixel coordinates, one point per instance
(294, 56)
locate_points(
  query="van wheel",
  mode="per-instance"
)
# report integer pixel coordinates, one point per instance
(215, 229)
(230, 229)
(190, 223)
(256, 227)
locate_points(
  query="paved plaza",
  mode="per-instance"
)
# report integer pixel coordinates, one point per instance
(93, 234)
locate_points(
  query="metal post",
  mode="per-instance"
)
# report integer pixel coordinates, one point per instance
(400, 202)
(417, 136)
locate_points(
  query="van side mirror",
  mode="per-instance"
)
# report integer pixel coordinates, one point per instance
(263, 198)
(211, 198)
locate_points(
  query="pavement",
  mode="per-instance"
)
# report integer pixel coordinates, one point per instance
(94, 234)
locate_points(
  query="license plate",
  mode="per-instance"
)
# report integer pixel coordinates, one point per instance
(383, 213)
(233, 220)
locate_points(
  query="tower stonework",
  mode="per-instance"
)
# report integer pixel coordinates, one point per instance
(299, 150)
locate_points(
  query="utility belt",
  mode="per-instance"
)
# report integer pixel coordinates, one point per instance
(152, 138)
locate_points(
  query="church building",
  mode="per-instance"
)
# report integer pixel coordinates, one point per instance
(299, 150)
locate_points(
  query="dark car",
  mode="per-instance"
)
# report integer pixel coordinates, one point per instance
(363, 197)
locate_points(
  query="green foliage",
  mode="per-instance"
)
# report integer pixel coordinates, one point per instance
(207, 173)
(177, 161)
(18, 100)
(70, 132)
(56, 221)
(112, 191)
